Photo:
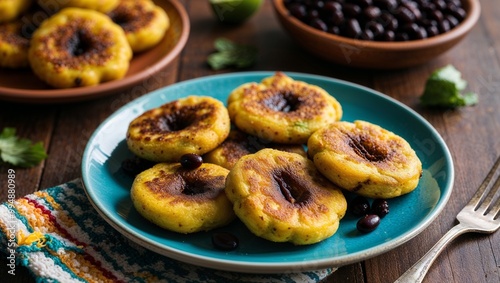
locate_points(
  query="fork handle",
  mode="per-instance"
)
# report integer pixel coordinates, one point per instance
(418, 271)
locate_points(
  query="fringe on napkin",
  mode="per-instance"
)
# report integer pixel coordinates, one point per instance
(59, 237)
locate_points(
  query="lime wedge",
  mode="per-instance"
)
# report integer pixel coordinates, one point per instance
(234, 11)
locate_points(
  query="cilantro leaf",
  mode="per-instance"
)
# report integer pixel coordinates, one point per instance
(230, 54)
(224, 44)
(18, 151)
(444, 89)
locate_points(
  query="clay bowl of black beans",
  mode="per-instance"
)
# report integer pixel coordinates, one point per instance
(377, 34)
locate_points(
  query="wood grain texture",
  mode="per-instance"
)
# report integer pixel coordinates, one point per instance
(472, 133)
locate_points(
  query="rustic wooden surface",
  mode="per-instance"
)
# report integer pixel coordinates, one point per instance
(472, 133)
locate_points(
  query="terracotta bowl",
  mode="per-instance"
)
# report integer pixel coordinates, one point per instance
(375, 54)
(24, 86)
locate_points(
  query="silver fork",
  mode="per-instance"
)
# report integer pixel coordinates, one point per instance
(481, 214)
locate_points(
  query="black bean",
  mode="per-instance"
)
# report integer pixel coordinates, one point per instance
(402, 36)
(436, 15)
(318, 4)
(444, 26)
(389, 21)
(359, 206)
(452, 20)
(410, 29)
(354, 18)
(386, 4)
(428, 23)
(299, 11)
(432, 31)
(332, 6)
(450, 7)
(337, 18)
(421, 33)
(353, 29)
(405, 15)
(225, 241)
(415, 31)
(380, 207)
(191, 161)
(421, 2)
(351, 10)
(364, 3)
(459, 13)
(312, 15)
(440, 4)
(319, 24)
(412, 6)
(428, 8)
(371, 13)
(376, 28)
(334, 30)
(368, 223)
(388, 35)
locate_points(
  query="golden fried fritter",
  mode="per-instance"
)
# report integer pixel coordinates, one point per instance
(282, 110)
(182, 200)
(239, 144)
(366, 159)
(195, 124)
(79, 47)
(282, 197)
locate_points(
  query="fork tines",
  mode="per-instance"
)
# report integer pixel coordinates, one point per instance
(487, 197)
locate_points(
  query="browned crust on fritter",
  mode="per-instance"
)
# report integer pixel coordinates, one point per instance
(366, 145)
(301, 178)
(239, 144)
(198, 185)
(132, 17)
(11, 33)
(96, 55)
(166, 120)
(303, 102)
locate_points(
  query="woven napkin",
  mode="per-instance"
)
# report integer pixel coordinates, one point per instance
(59, 237)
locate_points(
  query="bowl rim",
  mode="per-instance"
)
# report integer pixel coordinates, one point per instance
(473, 13)
(55, 95)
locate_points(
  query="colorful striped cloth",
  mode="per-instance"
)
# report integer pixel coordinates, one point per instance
(59, 237)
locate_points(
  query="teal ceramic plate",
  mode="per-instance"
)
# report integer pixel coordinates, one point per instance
(108, 187)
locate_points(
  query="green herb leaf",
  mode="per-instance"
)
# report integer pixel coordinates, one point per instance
(443, 89)
(230, 54)
(224, 44)
(18, 151)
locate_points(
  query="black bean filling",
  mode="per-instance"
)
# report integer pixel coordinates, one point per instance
(367, 148)
(292, 189)
(191, 189)
(79, 44)
(174, 122)
(121, 19)
(283, 102)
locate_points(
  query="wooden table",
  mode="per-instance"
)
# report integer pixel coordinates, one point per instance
(472, 134)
